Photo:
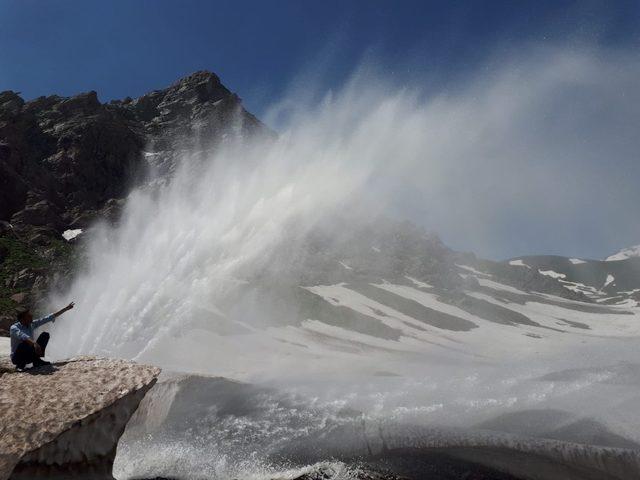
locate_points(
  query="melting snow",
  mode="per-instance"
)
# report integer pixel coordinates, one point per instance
(628, 303)
(576, 261)
(471, 269)
(345, 265)
(552, 274)
(580, 288)
(71, 234)
(418, 282)
(518, 263)
(630, 292)
(610, 280)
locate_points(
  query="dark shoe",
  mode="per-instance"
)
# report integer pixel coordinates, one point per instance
(20, 368)
(40, 363)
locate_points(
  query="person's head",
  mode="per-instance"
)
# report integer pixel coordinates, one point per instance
(24, 316)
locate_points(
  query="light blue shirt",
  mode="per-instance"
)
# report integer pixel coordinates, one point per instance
(19, 332)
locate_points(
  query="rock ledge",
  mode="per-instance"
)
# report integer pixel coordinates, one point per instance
(65, 420)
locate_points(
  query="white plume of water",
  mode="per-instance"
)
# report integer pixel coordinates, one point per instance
(182, 249)
(154, 285)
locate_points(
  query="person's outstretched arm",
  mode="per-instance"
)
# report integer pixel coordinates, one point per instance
(51, 317)
(65, 309)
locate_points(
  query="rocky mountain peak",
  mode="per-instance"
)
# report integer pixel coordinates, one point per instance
(202, 86)
(66, 161)
(81, 104)
(10, 103)
(182, 99)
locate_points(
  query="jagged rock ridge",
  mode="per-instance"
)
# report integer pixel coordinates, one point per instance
(65, 161)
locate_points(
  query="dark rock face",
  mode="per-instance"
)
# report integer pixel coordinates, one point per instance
(66, 161)
(62, 156)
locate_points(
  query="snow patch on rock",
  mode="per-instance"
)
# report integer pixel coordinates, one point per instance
(552, 274)
(471, 269)
(518, 263)
(71, 234)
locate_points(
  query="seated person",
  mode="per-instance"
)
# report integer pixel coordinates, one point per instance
(24, 349)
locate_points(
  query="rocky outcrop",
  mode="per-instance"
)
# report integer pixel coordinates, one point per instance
(65, 420)
(67, 161)
(63, 156)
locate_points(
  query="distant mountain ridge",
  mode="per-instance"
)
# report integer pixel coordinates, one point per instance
(609, 282)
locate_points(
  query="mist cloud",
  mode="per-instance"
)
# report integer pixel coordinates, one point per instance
(536, 153)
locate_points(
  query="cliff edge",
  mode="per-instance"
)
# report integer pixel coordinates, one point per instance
(65, 420)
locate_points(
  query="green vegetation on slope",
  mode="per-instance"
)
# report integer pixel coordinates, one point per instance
(21, 263)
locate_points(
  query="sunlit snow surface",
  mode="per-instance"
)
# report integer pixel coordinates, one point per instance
(448, 382)
(71, 234)
(577, 261)
(610, 279)
(625, 254)
(518, 263)
(552, 274)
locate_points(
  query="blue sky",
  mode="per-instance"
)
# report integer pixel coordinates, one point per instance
(121, 48)
(261, 48)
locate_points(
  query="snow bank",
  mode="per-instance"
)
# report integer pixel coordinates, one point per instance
(518, 263)
(65, 420)
(71, 234)
(576, 261)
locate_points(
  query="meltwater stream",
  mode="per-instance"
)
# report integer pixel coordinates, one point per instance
(205, 275)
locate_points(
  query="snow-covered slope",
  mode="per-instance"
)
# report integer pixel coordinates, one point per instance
(375, 365)
(607, 282)
(374, 325)
(624, 254)
(403, 293)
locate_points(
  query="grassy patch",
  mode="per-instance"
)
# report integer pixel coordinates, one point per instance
(18, 255)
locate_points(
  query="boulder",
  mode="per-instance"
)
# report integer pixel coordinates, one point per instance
(65, 420)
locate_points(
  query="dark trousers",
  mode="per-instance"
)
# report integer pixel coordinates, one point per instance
(26, 353)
